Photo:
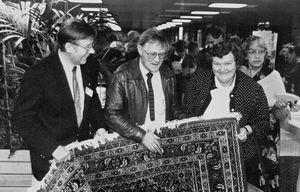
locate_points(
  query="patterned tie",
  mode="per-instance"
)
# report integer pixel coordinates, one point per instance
(151, 96)
(76, 93)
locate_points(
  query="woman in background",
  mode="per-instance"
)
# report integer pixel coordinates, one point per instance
(258, 68)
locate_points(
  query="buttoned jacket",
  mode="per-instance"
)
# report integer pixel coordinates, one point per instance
(246, 98)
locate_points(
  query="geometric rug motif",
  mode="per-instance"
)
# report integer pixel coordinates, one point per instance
(199, 156)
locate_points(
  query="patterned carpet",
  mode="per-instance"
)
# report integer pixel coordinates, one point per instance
(198, 156)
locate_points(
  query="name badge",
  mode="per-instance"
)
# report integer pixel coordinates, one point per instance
(88, 91)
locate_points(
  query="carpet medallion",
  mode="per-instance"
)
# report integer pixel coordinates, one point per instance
(199, 156)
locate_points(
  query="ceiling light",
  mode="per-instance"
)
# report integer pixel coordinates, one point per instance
(182, 20)
(177, 10)
(190, 4)
(176, 23)
(190, 17)
(227, 5)
(163, 15)
(94, 9)
(85, 1)
(205, 12)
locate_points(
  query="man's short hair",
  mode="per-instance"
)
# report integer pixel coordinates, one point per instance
(151, 35)
(214, 30)
(72, 30)
(192, 46)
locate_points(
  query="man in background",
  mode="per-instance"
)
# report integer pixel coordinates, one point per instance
(213, 35)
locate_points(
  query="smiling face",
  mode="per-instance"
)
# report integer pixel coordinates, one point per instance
(224, 68)
(81, 50)
(256, 54)
(152, 55)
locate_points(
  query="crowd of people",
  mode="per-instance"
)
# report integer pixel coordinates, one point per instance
(150, 81)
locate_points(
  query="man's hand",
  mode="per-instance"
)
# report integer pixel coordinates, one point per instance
(61, 154)
(150, 142)
(100, 135)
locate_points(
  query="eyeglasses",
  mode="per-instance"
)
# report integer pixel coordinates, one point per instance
(153, 55)
(255, 52)
(88, 47)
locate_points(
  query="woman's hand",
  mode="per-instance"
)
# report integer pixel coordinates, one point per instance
(242, 136)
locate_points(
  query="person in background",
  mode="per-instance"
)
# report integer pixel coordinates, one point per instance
(291, 78)
(258, 68)
(176, 60)
(57, 102)
(212, 36)
(141, 95)
(223, 89)
(189, 65)
(131, 45)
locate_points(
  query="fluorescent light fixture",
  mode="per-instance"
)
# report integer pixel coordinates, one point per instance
(164, 15)
(182, 20)
(176, 23)
(227, 5)
(94, 9)
(225, 12)
(190, 4)
(180, 33)
(85, 1)
(190, 17)
(205, 12)
(177, 11)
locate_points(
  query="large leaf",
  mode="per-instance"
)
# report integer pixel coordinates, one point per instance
(9, 37)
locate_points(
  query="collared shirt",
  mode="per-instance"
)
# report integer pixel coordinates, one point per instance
(68, 67)
(159, 100)
(220, 99)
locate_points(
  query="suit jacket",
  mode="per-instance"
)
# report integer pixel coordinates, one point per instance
(44, 113)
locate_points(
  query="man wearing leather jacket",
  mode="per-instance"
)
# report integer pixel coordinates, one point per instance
(134, 108)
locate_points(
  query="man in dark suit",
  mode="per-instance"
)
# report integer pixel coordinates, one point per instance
(57, 102)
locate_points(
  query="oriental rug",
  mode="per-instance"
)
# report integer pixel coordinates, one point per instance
(199, 156)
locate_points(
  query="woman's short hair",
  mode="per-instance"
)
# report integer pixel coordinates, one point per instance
(151, 35)
(72, 30)
(252, 39)
(224, 48)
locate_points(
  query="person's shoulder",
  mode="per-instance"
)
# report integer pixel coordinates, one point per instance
(166, 70)
(203, 76)
(128, 66)
(243, 68)
(43, 65)
(247, 82)
(243, 78)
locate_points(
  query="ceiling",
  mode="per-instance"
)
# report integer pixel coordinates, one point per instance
(142, 14)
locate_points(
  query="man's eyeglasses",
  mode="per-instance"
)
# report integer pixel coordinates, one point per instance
(88, 47)
(255, 52)
(153, 55)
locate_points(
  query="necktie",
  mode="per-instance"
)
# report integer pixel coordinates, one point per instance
(151, 96)
(76, 93)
